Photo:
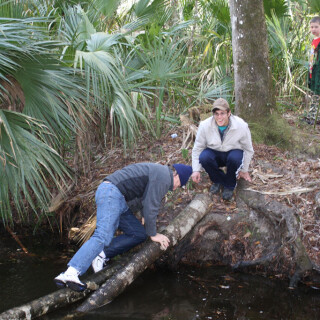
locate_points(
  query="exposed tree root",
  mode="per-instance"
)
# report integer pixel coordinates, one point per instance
(260, 261)
(287, 227)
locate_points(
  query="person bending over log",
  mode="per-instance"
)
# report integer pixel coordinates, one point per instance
(223, 140)
(145, 184)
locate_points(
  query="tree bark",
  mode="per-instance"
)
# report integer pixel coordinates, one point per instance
(252, 73)
(284, 220)
(179, 227)
(60, 298)
(262, 234)
(124, 272)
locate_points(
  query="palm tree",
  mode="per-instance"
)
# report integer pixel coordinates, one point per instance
(39, 100)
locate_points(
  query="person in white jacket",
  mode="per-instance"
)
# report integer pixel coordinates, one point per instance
(223, 140)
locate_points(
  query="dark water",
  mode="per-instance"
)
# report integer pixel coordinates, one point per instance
(209, 293)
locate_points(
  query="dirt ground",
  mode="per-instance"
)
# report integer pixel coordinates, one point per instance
(291, 178)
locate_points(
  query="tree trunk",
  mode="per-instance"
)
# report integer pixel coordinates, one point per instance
(179, 227)
(253, 82)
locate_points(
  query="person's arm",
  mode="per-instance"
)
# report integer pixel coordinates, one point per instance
(247, 155)
(199, 145)
(156, 190)
(160, 181)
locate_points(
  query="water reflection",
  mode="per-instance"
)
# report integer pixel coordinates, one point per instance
(209, 293)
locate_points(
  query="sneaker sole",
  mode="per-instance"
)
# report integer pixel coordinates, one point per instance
(76, 286)
(60, 284)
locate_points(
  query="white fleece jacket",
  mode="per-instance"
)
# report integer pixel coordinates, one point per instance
(236, 136)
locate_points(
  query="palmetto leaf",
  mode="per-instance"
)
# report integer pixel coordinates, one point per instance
(106, 7)
(33, 81)
(277, 7)
(26, 164)
(163, 59)
(103, 70)
(149, 7)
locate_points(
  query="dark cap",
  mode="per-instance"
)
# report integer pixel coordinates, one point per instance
(184, 172)
(221, 104)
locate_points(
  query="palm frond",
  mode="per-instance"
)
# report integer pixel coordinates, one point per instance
(27, 163)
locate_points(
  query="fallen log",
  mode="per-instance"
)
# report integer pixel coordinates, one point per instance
(151, 251)
(60, 298)
(182, 224)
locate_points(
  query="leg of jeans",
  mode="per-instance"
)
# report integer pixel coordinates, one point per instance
(133, 234)
(110, 205)
(234, 163)
(211, 160)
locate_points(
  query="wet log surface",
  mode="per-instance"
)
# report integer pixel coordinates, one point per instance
(177, 229)
(261, 235)
(62, 297)
(123, 273)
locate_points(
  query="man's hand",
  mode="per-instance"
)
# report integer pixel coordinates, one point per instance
(196, 177)
(162, 239)
(244, 175)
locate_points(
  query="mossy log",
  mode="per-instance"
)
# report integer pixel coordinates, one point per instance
(178, 228)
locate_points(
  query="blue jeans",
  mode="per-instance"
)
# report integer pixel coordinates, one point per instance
(133, 234)
(111, 205)
(211, 160)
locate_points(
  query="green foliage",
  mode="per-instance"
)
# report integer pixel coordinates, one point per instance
(162, 60)
(314, 6)
(288, 40)
(187, 11)
(87, 71)
(185, 154)
(276, 7)
(220, 10)
(27, 164)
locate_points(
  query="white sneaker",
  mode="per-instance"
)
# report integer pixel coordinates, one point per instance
(98, 263)
(71, 281)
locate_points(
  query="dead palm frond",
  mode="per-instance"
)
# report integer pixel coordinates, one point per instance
(82, 234)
